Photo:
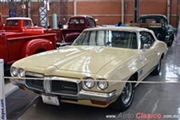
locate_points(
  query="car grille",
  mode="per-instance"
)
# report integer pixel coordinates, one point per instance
(64, 87)
(59, 86)
(34, 84)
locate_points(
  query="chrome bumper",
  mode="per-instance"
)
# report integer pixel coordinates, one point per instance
(81, 95)
(87, 95)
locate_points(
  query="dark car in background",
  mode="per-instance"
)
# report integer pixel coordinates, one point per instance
(159, 24)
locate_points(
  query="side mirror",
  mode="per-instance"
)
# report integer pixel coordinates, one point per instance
(146, 46)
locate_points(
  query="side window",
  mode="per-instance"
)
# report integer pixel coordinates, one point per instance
(77, 21)
(91, 22)
(92, 38)
(146, 38)
(133, 41)
(12, 22)
(27, 23)
(86, 39)
(101, 37)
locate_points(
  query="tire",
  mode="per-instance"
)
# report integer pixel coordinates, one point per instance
(125, 100)
(157, 70)
(39, 51)
(159, 36)
(171, 42)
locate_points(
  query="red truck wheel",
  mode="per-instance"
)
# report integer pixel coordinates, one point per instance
(39, 51)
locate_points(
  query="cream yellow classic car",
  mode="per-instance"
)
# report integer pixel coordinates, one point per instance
(96, 70)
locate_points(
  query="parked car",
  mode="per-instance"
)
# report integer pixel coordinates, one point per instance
(159, 24)
(94, 70)
(74, 26)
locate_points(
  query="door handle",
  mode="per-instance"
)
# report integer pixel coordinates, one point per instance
(155, 51)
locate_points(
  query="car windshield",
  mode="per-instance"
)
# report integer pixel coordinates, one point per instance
(120, 39)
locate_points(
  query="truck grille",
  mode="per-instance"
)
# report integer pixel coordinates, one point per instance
(64, 87)
(34, 84)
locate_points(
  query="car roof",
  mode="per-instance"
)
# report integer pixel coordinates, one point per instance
(151, 15)
(80, 16)
(18, 18)
(129, 29)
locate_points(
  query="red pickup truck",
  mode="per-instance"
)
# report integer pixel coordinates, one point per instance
(74, 26)
(19, 38)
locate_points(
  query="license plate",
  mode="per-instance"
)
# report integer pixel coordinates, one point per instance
(49, 99)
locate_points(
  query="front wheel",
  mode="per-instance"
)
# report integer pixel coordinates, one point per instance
(125, 99)
(157, 70)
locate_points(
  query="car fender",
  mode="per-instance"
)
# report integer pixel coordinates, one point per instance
(70, 37)
(31, 47)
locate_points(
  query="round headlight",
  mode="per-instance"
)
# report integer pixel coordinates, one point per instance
(89, 82)
(21, 72)
(13, 71)
(102, 84)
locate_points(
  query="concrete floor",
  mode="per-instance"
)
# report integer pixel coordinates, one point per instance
(162, 100)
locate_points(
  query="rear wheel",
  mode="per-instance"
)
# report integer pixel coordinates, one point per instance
(39, 51)
(125, 99)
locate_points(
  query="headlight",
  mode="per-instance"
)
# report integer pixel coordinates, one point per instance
(21, 72)
(89, 82)
(102, 84)
(13, 71)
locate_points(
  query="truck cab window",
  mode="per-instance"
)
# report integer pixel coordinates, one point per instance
(91, 22)
(27, 23)
(12, 22)
(77, 21)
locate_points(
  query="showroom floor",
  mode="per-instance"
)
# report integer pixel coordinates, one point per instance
(155, 100)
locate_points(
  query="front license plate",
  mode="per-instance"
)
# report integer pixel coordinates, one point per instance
(49, 99)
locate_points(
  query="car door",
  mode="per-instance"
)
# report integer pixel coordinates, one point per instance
(148, 53)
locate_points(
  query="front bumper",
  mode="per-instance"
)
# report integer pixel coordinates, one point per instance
(81, 93)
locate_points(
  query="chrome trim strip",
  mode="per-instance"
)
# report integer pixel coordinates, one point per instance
(62, 79)
(88, 95)
(33, 88)
(47, 86)
(34, 74)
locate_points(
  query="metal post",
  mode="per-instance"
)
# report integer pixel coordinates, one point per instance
(2, 94)
(170, 12)
(178, 13)
(122, 11)
(136, 10)
(64, 7)
(22, 10)
(29, 6)
(43, 13)
(125, 9)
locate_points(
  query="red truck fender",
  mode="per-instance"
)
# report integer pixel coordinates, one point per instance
(35, 46)
(72, 36)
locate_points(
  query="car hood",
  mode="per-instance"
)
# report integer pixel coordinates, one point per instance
(78, 59)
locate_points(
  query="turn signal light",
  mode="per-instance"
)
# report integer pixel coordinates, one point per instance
(99, 102)
(21, 88)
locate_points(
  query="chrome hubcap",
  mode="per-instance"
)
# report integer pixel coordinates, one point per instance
(127, 93)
